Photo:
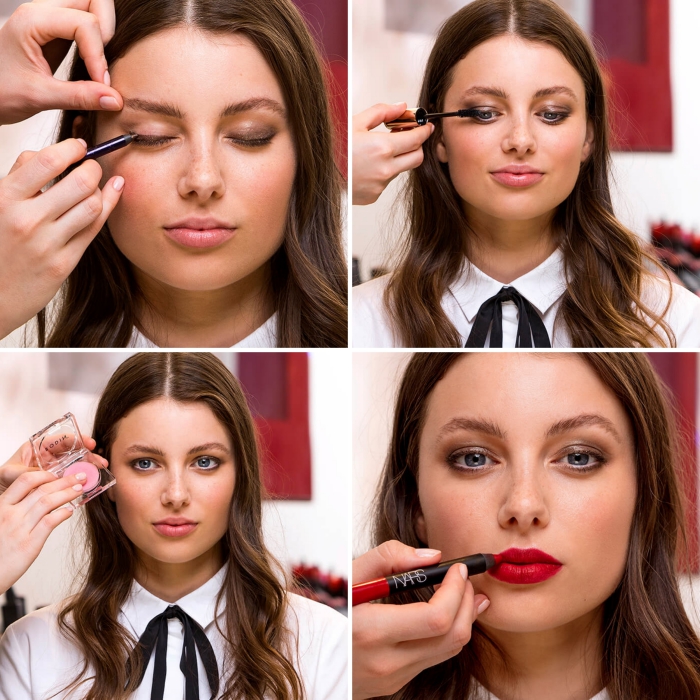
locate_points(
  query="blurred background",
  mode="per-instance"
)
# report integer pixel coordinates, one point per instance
(301, 405)
(376, 377)
(650, 50)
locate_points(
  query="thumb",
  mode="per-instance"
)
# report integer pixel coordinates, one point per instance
(78, 95)
(376, 115)
(390, 558)
(481, 602)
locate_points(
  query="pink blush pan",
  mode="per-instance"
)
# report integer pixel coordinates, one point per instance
(91, 471)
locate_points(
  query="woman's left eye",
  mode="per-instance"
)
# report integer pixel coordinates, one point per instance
(470, 461)
(207, 462)
(485, 115)
(143, 464)
(554, 117)
(152, 140)
(583, 461)
(252, 141)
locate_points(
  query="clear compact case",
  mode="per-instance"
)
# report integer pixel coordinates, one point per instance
(59, 449)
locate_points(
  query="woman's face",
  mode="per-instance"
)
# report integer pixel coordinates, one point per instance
(532, 123)
(174, 464)
(206, 196)
(529, 452)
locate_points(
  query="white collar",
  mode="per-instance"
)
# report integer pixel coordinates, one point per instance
(141, 606)
(264, 336)
(541, 287)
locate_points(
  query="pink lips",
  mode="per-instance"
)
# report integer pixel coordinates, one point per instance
(522, 566)
(517, 175)
(196, 232)
(175, 527)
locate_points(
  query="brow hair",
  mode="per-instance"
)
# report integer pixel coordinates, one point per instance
(582, 421)
(500, 92)
(168, 109)
(476, 424)
(141, 449)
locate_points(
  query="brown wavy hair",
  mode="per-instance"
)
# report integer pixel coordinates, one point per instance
(650, 649)
(100, 301)
(259, 646)
(604, 262)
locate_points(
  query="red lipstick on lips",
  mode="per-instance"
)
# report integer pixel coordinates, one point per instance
(175, 527)
(200, 232)
(525, 566)
(518, 175)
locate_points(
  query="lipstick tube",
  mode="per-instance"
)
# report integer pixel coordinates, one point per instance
(419, 578)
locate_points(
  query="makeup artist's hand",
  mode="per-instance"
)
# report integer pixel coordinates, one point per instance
(44, 234)
(391, 644)
(379, 156)
(30, 509)
(34, 41)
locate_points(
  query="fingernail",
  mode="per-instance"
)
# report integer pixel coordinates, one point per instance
(484, 604)
(108, 103)
(82, 141)
(432, 127)
(78, 487)
(118, 184)
(463, 571)
(427, 552)
(81, 477)
(399, 103)
(106, 79)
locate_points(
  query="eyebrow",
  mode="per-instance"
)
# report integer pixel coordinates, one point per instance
(588, 419)
(149, 449)
(501, 93)
(475, 424)
(167, 109)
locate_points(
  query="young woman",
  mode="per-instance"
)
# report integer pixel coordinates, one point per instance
(565, 464)
(511, 237)
(228, 229)
(180, 597)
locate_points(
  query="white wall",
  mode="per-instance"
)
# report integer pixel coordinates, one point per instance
(314, 531)
(388, 67)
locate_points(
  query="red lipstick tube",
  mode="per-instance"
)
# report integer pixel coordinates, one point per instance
(419, 578)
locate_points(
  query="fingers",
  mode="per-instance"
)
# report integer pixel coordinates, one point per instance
(24, 484)
(83, 95)
(24, 157)
(44, 166)
(411, 141)
(76, 187)
(376, 115)
(49, 497)
(102, 9)
(389, 558)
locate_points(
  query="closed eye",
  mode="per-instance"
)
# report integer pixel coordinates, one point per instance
(142, 140)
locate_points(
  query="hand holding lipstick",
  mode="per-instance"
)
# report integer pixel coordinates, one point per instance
(393, 643)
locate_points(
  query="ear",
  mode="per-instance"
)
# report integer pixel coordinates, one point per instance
(419, 526)
(111, 494)
(78, 126)
(588, 143)
(440, 148)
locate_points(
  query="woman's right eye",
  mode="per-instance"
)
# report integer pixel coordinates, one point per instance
(470, 460)
(485, 115)
(143, 464)
(152, 140)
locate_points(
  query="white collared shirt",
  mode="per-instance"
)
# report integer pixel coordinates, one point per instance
(36, 660)
(483, 694)
(543, 287)
(264, 336)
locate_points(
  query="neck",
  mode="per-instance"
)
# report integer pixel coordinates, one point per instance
(549, 665)
(506, 250)
(170, 582)
(172, 317)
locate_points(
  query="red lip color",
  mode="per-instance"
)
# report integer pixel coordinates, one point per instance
(523, 566)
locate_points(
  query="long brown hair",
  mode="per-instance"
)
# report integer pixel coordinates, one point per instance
(650, 650)
(604, 263)
(99, 303)
(259, 648)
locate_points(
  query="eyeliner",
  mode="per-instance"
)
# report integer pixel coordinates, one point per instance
(420, 578)
(412, 118)
(102, 149)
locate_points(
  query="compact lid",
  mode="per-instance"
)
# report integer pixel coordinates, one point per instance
(58, 445)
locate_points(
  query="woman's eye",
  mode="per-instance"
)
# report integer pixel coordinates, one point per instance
(470, 460)
(143, 464)
(583, 461)
(486, 114)
(252, 141)
(207, 463)
(554, 117)
(152, 140)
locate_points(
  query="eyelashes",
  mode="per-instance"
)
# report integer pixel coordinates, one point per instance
(254, 142)
(549, 116)
(205, 463)
(576, 459)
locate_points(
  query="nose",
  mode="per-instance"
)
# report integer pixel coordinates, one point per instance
(520, 138)
(525, 503)
(176, 492)
(203, 178)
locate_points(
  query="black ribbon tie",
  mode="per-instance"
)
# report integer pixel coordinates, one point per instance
(156, 637)
(490, 315)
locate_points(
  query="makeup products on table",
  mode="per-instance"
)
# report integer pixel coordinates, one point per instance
(102, 149)
(420, 578)
(417, 116)
(59, 449)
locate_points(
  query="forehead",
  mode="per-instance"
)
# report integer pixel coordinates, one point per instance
(188, 67)
(519, 67)
(524, 393)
